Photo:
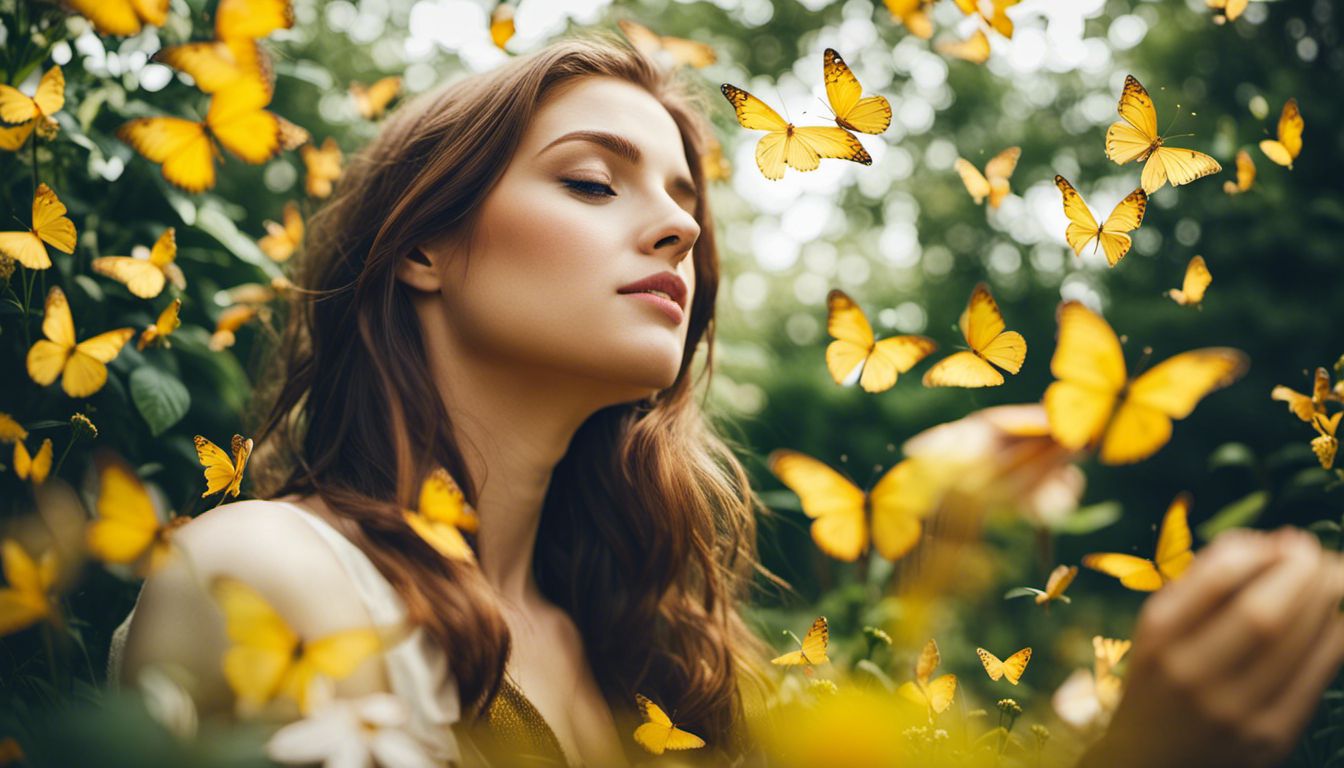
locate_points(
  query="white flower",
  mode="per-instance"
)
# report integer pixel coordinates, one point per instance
(351, 733)
(167, 701)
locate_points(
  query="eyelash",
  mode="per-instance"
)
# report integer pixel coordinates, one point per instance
(590, 188)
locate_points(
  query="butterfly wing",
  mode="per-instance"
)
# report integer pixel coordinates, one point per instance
(1136, 133)
(1060, 579)
(928, 661)
(13, 138)
(658, 734)
(334, 656)
(1197, 281)
(852, 111)
(126, 524)
(109, 17)
(835, 505)
(993, 666)
(1176, 385)
(892, 357)
(1083, 225)
(1245, 174)
(962, 369)
(805, 148)
(1090, 367)
(1015, 665)
(940, 693)
(974, 49)
(1134, 572)
(181, 146)
(853, 336)
(1125, 218)
(16, 106)
(50, 222)
(976, 183)
(252, 18)
(140, 276)
(1174, 540)
(242, 448)
(47, 357)
(900, 501)
(219, 469)
(262, 643)
(1289, 144)
(1177, 165)
(813, 650)
(237, 119)
(914, 14)
(983, 327)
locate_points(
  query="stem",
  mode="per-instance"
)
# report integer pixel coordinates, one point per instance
(33, 140)
(27, 304)
(64, 453)
(51, 653)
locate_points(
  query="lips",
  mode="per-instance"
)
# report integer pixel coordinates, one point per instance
(667, 283)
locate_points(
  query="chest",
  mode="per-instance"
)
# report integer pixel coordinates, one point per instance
(549, 667)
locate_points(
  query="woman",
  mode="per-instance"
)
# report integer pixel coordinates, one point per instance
(472, 301)
(512, 283)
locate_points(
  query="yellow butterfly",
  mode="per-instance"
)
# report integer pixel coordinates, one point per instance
(324, 167)
(50, 227)
(127, 527)
(252, 18)
(844, 516)
(1112, 236)
(914, 14)
(443, 515)
(713, 163)
(1245, 174)
(934, 695)
(1325, 445)
(852, 110)
(678, 50)
(854, 347)
(997, 19)
(145, 277)
(32, 467)
(1285, 149)
(223, 473)
(280, 242)
(1197, 281)
(502, 27)
(11, 430)
(785, 144)
(372, 100)
(1094, 402)
(1306, 407)
(82, 366)
(1172, 558)
(813, 647)
(993, 183)
(230, 320)
(1055, 585)
(26, 600)
(1134, 137)
(167, 322)
(658, 734)
(1011, 667)
(1227, 10)
(267, 658)
(974, 49)
(983, 328)
(17, 107)
(186, 148)
(121, 18)
(214, 65)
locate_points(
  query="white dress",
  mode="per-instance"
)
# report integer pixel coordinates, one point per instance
(417, 669)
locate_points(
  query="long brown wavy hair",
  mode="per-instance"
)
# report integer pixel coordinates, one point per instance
(647, 533)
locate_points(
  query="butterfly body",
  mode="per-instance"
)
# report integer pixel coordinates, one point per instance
(1111, 235)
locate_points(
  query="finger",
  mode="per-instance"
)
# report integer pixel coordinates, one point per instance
(1291, 709)
(1268, 674)
(1217, 573)
(1256, 616)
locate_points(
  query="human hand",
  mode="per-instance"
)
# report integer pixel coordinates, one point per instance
(1230, 661)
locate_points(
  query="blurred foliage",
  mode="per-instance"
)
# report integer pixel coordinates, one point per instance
(902, 237)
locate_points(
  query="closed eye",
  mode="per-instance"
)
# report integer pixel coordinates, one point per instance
(590, 188)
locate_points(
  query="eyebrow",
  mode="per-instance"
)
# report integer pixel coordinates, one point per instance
(623, 148)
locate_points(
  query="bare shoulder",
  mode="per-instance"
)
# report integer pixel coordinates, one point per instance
(273, 549)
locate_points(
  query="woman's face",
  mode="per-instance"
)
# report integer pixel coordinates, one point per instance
(598, 196)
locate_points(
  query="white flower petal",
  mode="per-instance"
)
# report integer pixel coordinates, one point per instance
(312, 740)
(382, 709)
(398, 749)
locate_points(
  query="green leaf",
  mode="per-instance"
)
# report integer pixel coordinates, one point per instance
(1021, 592)
(159, 397)
(1090, 518)
(1238, 514)
(1231, 455)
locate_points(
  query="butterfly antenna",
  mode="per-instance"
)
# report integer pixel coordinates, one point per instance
(1174, 117)
(789, 633)
(782, 105)
(1143, 360)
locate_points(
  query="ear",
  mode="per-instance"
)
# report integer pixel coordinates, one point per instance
(418, 270)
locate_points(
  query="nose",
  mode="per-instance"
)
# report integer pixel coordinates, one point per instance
(673, 232)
